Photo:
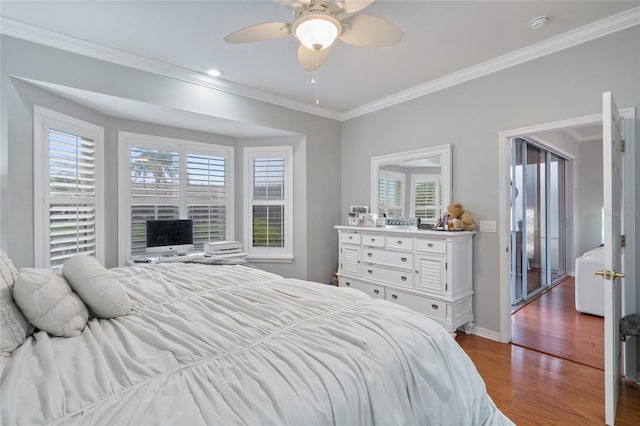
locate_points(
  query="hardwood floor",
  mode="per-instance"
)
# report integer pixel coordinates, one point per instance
(550, 324)
(552, 374)
(533, 388)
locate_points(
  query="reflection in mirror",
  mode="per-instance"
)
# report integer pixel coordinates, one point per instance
(412, 184)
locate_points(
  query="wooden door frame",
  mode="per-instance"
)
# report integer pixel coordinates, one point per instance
(504, 138)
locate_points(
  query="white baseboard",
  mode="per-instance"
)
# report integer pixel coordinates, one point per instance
(486, 333)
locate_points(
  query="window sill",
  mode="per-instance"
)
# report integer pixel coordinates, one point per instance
(269, 259)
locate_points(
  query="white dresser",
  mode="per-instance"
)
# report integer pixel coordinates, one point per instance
(428, 271)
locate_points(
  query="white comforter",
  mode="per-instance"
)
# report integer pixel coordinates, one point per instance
(224, 345)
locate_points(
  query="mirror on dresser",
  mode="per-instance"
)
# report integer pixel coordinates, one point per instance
(412, 184)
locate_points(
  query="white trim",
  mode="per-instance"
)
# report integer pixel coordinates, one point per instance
(41, 118)
(269, 254)
(57, 40)
(127, 140)
(504, 197)
(486, 333)
(594, 30)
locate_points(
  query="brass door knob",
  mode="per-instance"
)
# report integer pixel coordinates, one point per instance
(609, 275)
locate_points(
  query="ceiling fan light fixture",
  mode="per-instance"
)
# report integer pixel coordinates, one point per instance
(316, 31)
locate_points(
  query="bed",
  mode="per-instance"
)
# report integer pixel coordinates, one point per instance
(229, 344)
(589, 287)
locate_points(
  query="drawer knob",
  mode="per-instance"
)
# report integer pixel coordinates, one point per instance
(369, 271)
(376, 291)
(348, 284)
(404, 259)
(399, 241)
(373, 240)
(350, 237)
(403, 278)
(370, 254)
(430, 245)
(393, 296)
(434, 306)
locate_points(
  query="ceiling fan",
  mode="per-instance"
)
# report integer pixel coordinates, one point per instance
(317, 24)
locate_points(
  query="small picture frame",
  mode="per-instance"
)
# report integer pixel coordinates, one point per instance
(368, 219)
(359, 209)
(352, 218)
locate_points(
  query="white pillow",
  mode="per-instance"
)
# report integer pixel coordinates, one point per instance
(103, 294)
(49, 303)
(14, 327)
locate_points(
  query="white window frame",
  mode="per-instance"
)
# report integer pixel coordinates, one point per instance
(426, 178)
(268, 254)
(398, 177)
(128, 140)
(44, 119)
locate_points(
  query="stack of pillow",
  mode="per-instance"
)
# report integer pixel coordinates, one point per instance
(57, 304)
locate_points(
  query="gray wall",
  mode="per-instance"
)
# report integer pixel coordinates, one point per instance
(589, 200)
(37, 62)
(469, 116)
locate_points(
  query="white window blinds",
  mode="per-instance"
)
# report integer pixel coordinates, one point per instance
(269, 205)
(175, 179)
(68, 189)
(391, 189)
(268, 202)
(207, 198)
(426, 197)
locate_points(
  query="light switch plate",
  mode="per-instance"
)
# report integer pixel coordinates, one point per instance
(487, 226)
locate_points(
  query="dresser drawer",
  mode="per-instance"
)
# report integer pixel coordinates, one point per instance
(434, 246)
(397, 278)
(432, 308)
(350, 237)
(373, 290)
(373, 240)
(395, 242)
(391, 258)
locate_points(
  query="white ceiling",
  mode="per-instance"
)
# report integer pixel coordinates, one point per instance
(441, 38)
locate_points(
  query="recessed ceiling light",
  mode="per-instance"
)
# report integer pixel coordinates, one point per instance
(539, 22)
(214, 72)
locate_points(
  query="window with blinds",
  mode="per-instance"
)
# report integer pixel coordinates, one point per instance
(207, 198)
(268, 202)
(68, 158)
(426, 197)
(391, 188)
(176, 179)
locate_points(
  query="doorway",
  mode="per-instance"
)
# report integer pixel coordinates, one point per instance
(538, 226)
(506, 193)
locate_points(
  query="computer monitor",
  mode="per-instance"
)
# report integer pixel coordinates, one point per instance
(169, 236)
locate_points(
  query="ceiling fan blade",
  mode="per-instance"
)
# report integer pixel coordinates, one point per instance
(370, 31)
(353, 6)
(311, 60)
(293, 4)
(259, 32)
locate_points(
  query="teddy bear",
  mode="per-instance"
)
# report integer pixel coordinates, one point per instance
(462, 221)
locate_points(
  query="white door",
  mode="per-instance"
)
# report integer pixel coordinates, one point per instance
(612, 272)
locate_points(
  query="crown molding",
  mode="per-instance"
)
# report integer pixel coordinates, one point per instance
(560, 42)
(21, 30)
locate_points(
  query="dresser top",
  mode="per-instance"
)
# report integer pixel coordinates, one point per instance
(398, 230)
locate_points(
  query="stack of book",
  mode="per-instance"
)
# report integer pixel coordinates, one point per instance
(223, 247)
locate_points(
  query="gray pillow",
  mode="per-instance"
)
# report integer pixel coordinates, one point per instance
(49, 303)
(14, 327)
(96, 286)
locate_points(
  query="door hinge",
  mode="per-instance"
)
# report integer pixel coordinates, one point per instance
(622, 145)
(622, 241)
(446, 286)
(446, 266)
